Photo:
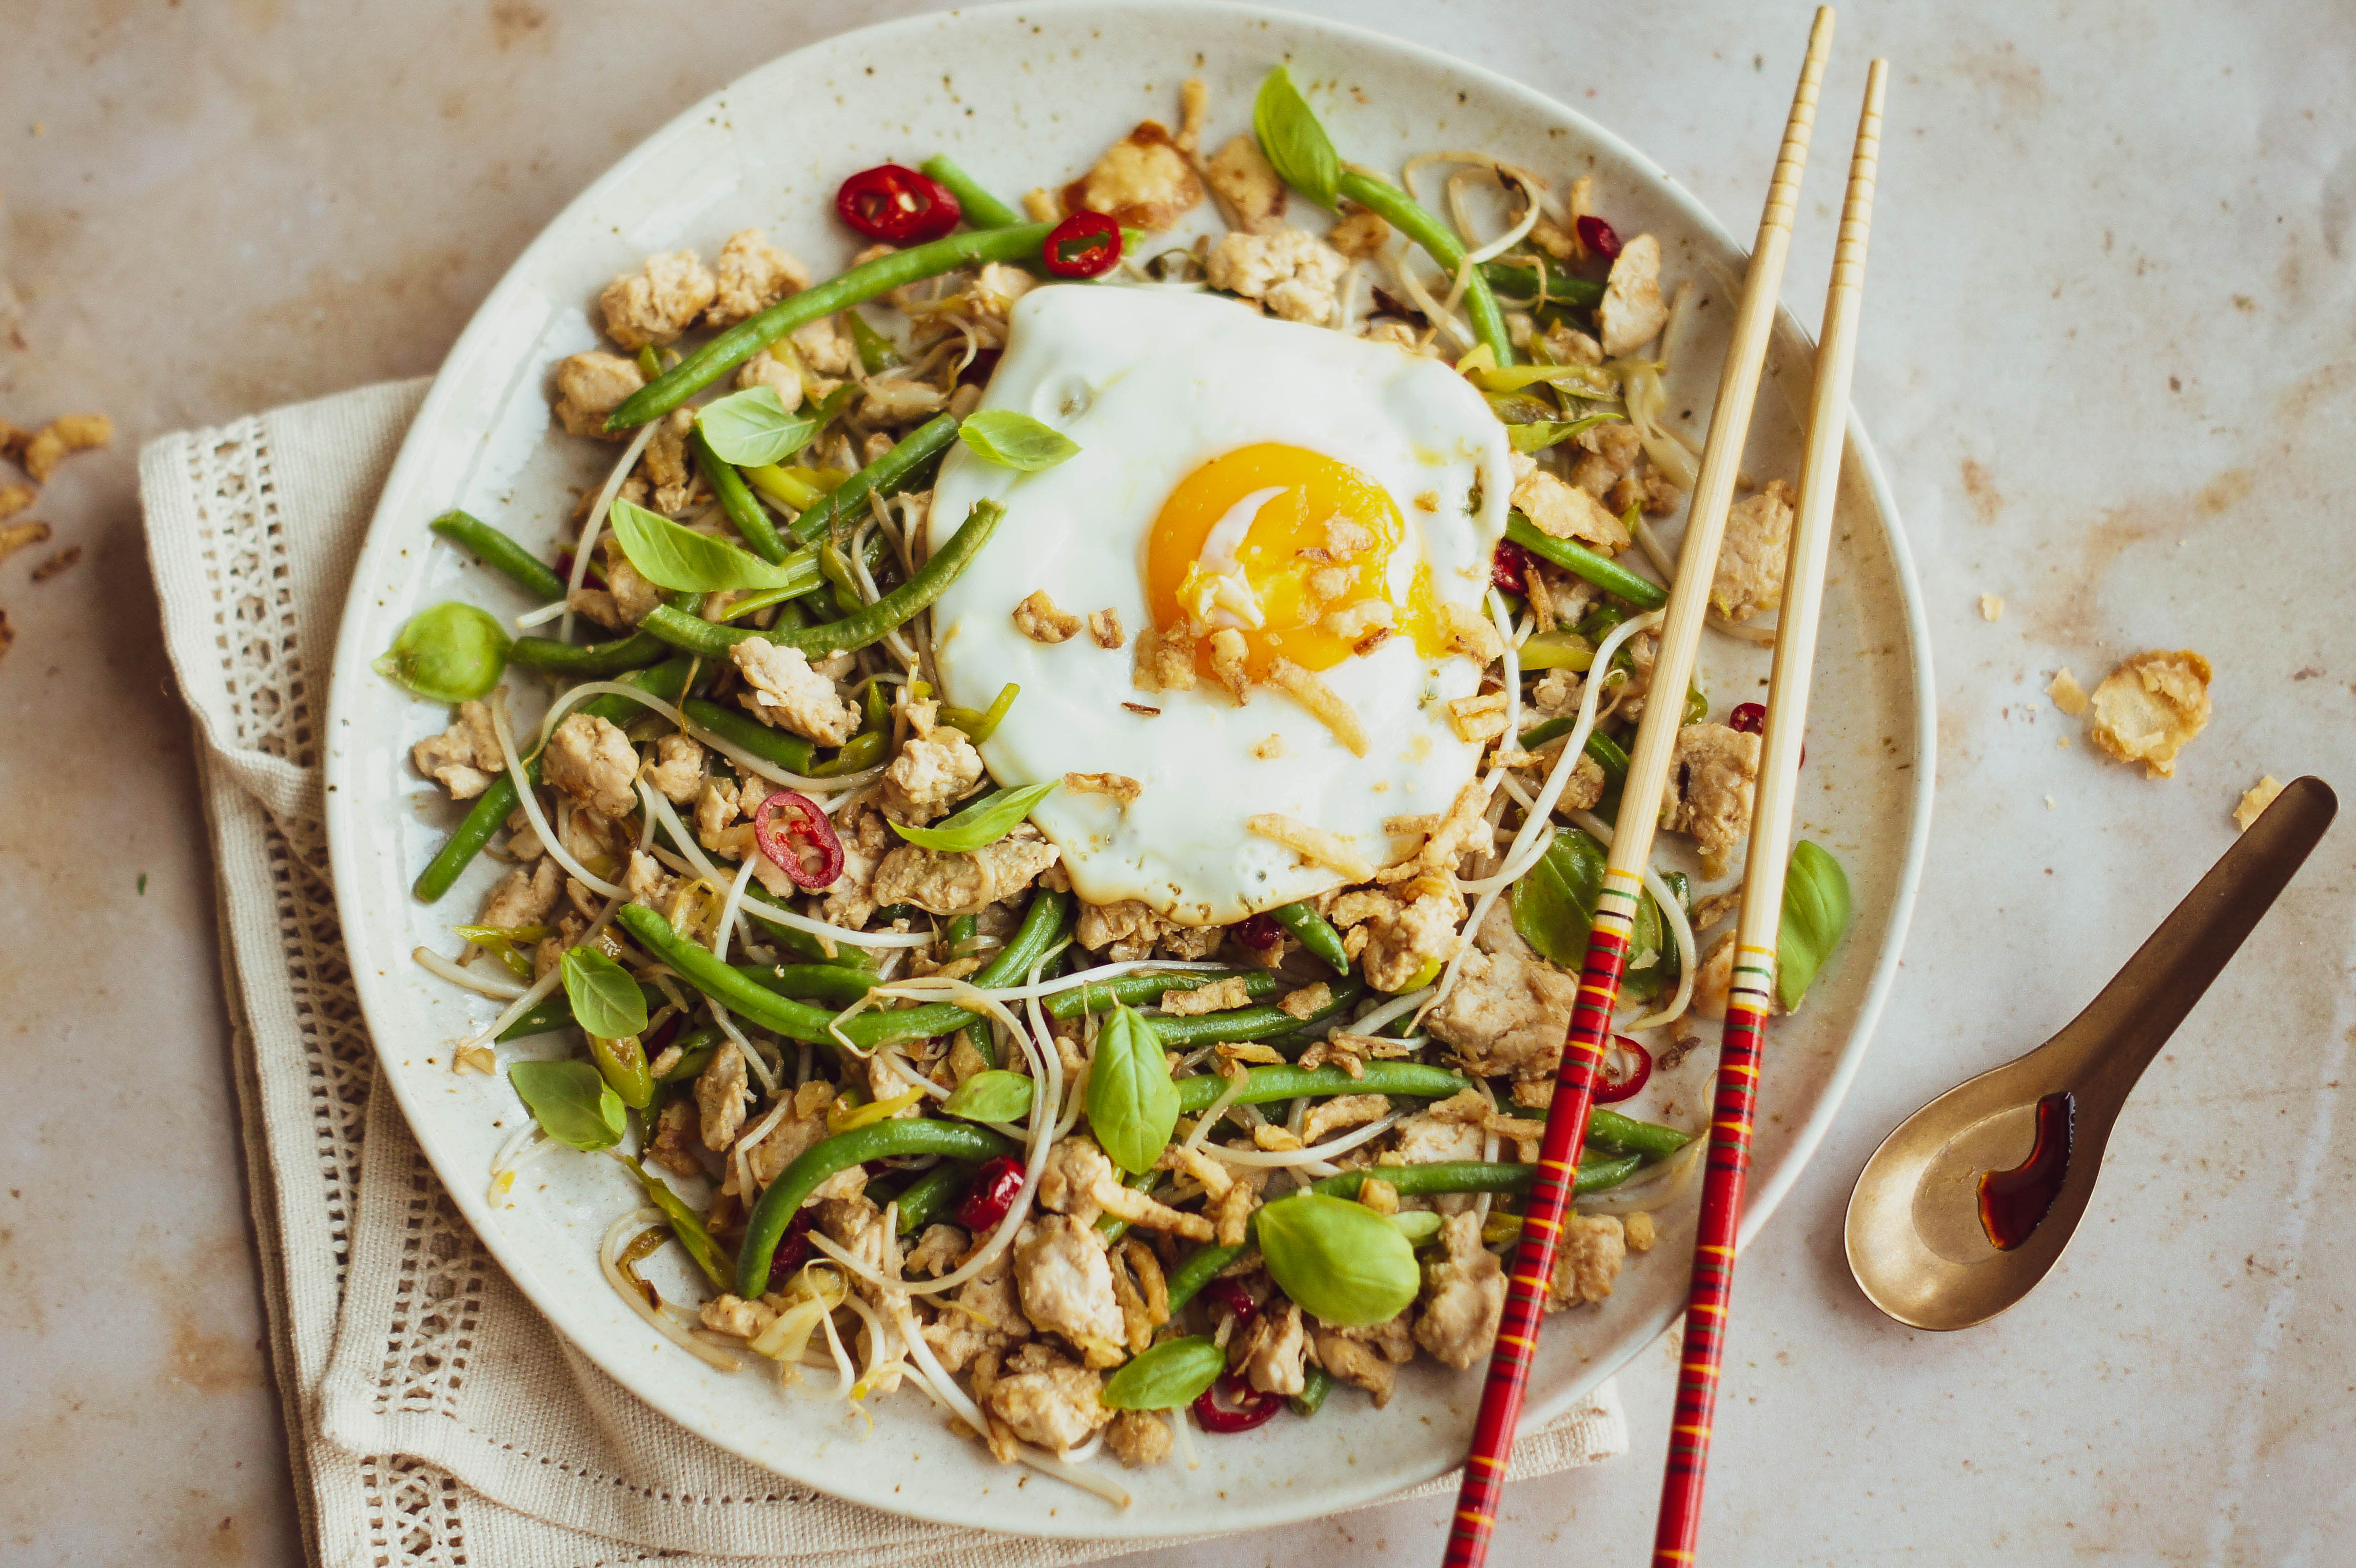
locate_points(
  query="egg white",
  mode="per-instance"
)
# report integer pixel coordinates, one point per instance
(1153, 384)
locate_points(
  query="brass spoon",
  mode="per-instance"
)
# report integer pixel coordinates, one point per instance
(1921, 1215)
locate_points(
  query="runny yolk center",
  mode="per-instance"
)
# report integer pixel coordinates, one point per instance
(1289, 548)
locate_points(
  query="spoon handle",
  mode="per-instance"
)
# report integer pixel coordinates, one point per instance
(2122, 1029)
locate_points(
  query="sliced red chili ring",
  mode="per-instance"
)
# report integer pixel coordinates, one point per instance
(1599, 237)
(1509, 567)
(810, 825)
(1252, 1409)
(899, 205)
(1231, 1294)
(1750, 718)
(1611, 1091)
(1084, 245)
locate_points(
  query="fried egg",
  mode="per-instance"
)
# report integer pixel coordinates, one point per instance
(1326, 498)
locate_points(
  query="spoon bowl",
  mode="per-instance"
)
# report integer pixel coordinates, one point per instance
(1922, 1229)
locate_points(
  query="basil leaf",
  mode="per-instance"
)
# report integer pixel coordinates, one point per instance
(993, 1096)
(1554, 903)
(670, 556)
(1815, 917)
(1295, 144)
(1165, 1376)
(1013, 440)
(1340, 1261)
(571, 1102)
(752, 429)
(985, 822)
(1133, 1104)
(1417, 1225)
(607, 1002)
(451, 653)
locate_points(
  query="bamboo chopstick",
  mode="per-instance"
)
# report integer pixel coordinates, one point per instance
(1632, 842)
(1762, 881)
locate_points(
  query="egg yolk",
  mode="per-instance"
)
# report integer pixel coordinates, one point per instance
(1293, 550)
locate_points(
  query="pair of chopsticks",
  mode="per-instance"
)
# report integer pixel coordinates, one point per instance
(1763, 887)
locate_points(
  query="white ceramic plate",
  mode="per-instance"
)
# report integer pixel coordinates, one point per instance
(1027, 97)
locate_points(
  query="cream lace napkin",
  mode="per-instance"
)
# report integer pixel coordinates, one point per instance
(433, 1416)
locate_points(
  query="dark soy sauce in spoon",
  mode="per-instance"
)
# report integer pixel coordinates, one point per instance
(2014, 1203)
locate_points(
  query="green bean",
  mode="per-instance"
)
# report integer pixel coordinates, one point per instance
(1520, 281)
(1313, 932)
(1044, 923)
(876, 1141)
(1199, 1091)
(959, 936)
(1131, 990)
(1250, 1023)
(1610, 1130)
(883, 476)
(737, 499)
(981, 209)
(1600, 746)
(741, 342)
(494, 805)
(591, 661)
(715, 979)
(931, 1194)
(623, 1063)
(826, 983)
(877, 353)
(1316, 1382)
(1202, 1265)
(499, 553)
(1572, 556)
(696, 1048)
(790, 616)
(807, 946)
(870, 624)
(863, 750)
(747, 734)
(1440, 241)
(687, 1225)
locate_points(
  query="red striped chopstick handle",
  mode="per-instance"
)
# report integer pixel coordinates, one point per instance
(1532, 1266)
(1713, 1270)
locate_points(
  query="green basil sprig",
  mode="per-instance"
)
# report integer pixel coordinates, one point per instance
(985, 822)
(754, 428)
(1013, 440)
(572, 1104)
(1340, 1261)
(605, 1001)
(451, 653)
(670, 556)
(1165, 1376)
(1296, 145)
(1132, 1103)
(1815, 917)
(991, 1096)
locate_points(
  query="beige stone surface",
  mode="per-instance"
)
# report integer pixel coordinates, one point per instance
(2106, 359)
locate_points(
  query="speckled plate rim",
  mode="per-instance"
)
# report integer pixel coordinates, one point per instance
(410, 496)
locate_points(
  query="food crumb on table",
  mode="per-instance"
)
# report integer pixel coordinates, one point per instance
(2255, 799)
(1991, 608)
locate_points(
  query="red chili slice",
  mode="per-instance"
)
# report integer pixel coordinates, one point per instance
(1084, 245)
(1509, 567)
(898, 205)
(995, 1186)
(1611, 1091)
(810, 825)
(1231, 1294)
(1259, 932)
(1252, 1409)
(1750, 718)
(793, 1249)
(1597, 236)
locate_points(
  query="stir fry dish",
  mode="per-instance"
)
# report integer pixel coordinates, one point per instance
(1074, 776)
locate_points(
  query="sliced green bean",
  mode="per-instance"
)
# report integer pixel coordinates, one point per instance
(883, 476)
(1044, 923)
(1251, 1023)
(737, 499)
(826, 984)
(715, 979)
(1315, 933)
(1410, 218)
(741, 342)
(929, 1196)
(1198, 1092)
(879, 1140)
(1316, 1383)
(870, 624)
(1143, 990)
(687, 1225)
(1577, 558)
(790, 752)
(1523, 283)
(499, 553)
(981, 209)
(495, 804)
(696, 1048)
